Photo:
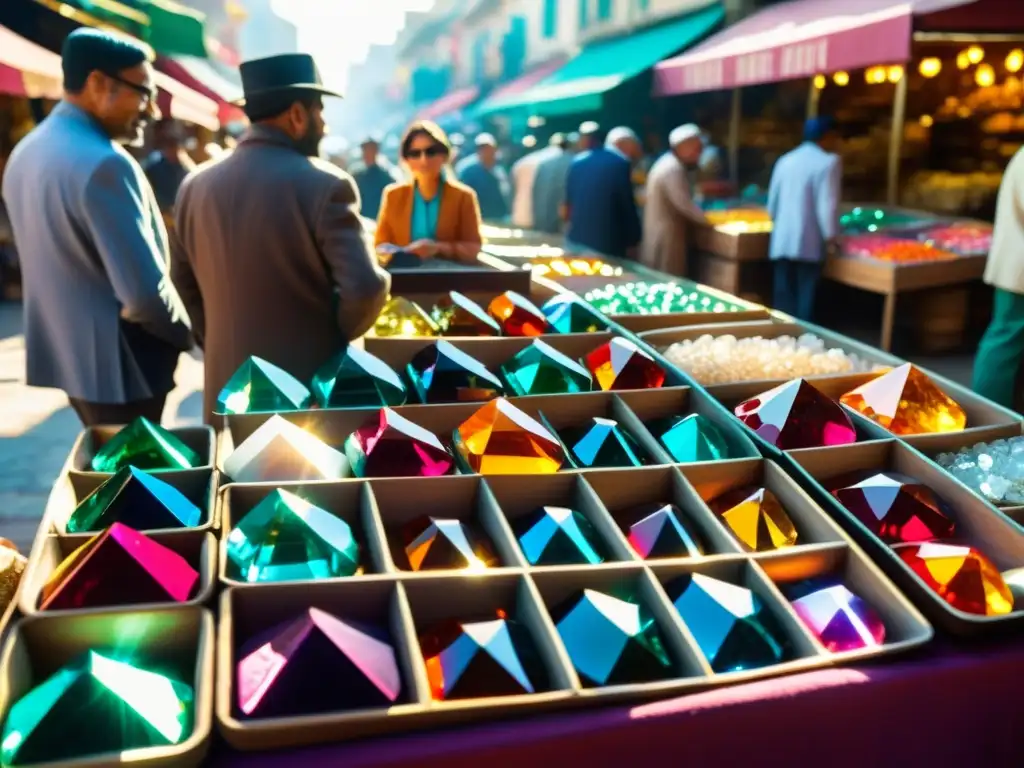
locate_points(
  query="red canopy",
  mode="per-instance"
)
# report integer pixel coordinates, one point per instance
(27, 69)
(451, 102)
(201, 78)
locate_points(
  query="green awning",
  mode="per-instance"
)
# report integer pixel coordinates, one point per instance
(169, 27)
(580, 85)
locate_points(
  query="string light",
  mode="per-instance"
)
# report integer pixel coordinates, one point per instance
(894, 74)
(841, 78)
(926, 121)
(985, 76)
(1014, 60)
(930, 67)
(975, 54)
(875, 75)
(962, 62)
(819, 82)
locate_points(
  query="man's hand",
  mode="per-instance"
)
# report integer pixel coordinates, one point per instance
(425, 249)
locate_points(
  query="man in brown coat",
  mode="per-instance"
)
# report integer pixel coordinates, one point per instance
(270, 257)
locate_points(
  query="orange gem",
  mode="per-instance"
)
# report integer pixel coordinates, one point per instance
(499, 439)
(906, 402)
(517, 315)
(961, 576)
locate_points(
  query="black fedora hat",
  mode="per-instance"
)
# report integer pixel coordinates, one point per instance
(284, 72)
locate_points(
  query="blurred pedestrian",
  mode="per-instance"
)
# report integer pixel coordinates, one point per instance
(372, 175)
(549, 183)
(167, 165)
(524, 175)
(485, 176)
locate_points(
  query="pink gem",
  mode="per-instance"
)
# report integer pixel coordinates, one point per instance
(796, 415)
(392, 446)
(840, 620)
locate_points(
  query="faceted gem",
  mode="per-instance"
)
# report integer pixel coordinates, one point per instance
(471, 659)
(558, 536)
(458, 315)
(443, 373)
(401, 317)
(136, 499)
(602, 443)
(499, 439)
(389, 445)
(261, 387)
(517, 315)
(756, 518)
(796, 415)
(356, 379)
(567, 314)
(691, 438)
(144, 445)
(285, 538)
(661, 530)
(897, 509)
(731, 624)
(962, 576)
(119, 567)
(540, 369)
(279, 450)
(620, 364)
(841, 620)
(907, 402)
(434, 543)
(93, 706)
(353, 666)
(611, 641)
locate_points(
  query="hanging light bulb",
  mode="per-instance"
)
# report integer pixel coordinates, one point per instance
(819, 82)
(975, 54)
(1014, 60)
(962, 61)
(841, 78)
(894, 74)
(875, 75)
(930, 67)
(985, 76)
(926, 121)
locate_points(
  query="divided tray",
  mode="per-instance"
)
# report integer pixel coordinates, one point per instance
(92, 439)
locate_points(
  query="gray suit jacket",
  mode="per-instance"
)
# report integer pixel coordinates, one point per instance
(549, 192)
(271, 259)
(100, 310)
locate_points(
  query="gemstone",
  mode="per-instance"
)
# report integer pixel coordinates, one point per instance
(443, 373)
(731, 624)
(472, 659)
(642, 298)
(841, 620)
(962, 576)
(144, 445)
(279, 450)
(1014, 579)
(691, 438)
(458, 315)
(93, 706)
(261, 387)
(119, 566)
(389, 445)
(356, 379)
(540, 369)
(756, 519)
(907, 402)
(897, 509)
(138, 500)
(620, 364)
(993, 470)
(285, 538)
(567, 314)
(499, 439)
(601, 443)
(435, 543)
(558, 536)
(797, 415)
(661, 530)
(401, 317)
(517, 315)
(611, 641)
(353, 665)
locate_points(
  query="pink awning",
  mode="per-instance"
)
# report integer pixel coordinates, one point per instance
(203, 80)
(182, 103)
(450, 102)
(27, 69)
(798, 39)
(528, 80)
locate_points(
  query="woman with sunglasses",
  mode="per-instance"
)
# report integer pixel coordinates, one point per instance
(432, 215)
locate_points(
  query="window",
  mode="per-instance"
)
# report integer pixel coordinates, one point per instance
(550, 26)
(584, 13)
(604, 10)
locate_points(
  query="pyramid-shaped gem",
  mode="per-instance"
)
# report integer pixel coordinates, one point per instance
(401, 317)
(661, 530)
(567, 314)
(472, 659)
(621, 364)
(136, 499)
(731, 624)
(601, 443)
(540, 369)
(840, 619)
(611, 641)
(962, 576)
(97, 705)
(691, 438)
(895, 508)
(517, 315)
(435, 543)
(389, 445)
(279, 450)
(285, 538)
(356, 379)
(499, 439)
(443, 373)
(796, 415)
(907, 402)
(756, 518)
(558, 536)
(354, 666)
(261, 387)
(144, 445)
(458, 315)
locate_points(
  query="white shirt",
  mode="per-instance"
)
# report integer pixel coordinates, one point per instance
(803, 201)
(1005, 266)
(524, 172)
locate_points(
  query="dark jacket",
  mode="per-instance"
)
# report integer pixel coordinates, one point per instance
(602, 209)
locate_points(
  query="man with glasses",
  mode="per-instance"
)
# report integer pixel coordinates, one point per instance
(102, 319)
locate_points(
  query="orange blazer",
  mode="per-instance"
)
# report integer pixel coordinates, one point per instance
(458, 219)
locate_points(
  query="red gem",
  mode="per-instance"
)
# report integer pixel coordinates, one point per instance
(961, 576)
(621, 364)
(796, 415)
(517, 315)
(897, 509)
(389, 445)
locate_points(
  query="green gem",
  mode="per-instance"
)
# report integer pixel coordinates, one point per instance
(93, 706)
(285, 538)
(558, 536)
(601, 444)
(261, 387)
(691, 438)
(136, 499)
(144, 445)
(356, 379)
(540, 369)
(567, 314)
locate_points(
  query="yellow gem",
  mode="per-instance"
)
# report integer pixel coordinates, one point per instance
(401, 317)
(906, 402)
(756, 518)
(499, 439)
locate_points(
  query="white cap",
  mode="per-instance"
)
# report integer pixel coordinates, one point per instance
(485, 140)
(620, 133)
(684, 133)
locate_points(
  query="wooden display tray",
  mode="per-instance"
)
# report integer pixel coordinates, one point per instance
(484, 276)
(91, 439)
(738, 246)
(884, 277)
(409, 603)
